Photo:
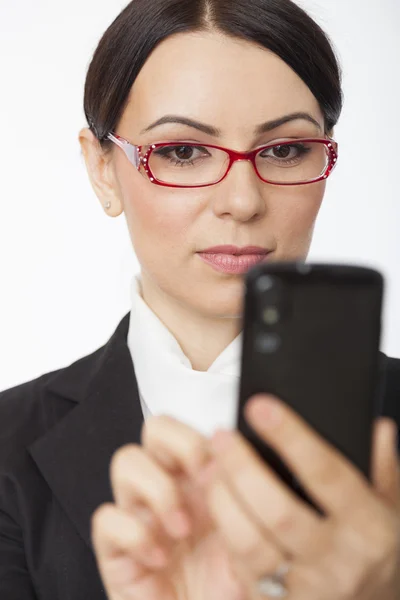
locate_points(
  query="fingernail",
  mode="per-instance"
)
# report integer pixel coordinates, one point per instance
(178, 524)
(221, 440)
(265, 412)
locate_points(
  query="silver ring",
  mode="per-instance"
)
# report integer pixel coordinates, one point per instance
(274, 586)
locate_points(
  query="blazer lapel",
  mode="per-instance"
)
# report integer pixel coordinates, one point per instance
(74, 456)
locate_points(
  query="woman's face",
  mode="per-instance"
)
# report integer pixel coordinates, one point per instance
(233, 86)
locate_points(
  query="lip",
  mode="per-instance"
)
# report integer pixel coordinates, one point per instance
(234, 264)
(236, 251)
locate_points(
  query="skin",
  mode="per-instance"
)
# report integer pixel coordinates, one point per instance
(218, 515)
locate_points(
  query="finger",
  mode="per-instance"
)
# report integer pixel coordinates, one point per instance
(176, 446)
(338, 487)
(126, 556)
(385, 461)
(137, 480)
(269, 502)
(253, 548)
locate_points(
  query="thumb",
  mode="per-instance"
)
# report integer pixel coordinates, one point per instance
(385, 461)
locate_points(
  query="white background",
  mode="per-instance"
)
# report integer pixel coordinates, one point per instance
(65, 268)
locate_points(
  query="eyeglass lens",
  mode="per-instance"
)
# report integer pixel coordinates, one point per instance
(191, 165)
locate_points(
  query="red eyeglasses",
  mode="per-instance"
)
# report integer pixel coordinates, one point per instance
(191, 165)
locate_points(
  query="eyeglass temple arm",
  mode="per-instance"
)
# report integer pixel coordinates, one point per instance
(131, 151)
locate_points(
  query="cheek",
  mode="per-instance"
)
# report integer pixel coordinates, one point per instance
(160, 220)
(294, 219)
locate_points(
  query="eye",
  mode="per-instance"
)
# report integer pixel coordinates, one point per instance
(184, 154)
(285, 152)
(282, 151)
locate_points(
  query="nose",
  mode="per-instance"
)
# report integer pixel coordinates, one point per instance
(241, 195)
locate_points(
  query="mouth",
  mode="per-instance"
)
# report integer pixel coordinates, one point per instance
(233, 260)
(236, 250)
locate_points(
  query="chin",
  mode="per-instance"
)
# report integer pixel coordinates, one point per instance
(224, 303)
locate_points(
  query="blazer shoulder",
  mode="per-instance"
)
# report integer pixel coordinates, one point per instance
(392, 389)
(394, 365)
(22, 416)
(393, 375)
(30, 409)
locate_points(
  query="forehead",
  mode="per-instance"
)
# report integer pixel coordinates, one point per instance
(220, 80)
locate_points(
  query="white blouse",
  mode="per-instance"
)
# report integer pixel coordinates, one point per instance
(167, 383)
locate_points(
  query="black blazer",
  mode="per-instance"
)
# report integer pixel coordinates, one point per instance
(57, 436)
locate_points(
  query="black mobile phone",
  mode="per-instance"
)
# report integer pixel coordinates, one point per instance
(311, 336)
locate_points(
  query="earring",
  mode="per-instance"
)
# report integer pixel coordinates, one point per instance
(107, 205)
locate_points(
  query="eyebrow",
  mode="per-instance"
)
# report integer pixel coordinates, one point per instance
(215, 132)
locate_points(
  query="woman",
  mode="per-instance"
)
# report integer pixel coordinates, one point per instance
(93, 503)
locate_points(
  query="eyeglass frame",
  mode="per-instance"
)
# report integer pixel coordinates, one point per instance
(133, 153)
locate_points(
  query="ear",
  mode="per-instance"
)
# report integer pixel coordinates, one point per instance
(101, 172)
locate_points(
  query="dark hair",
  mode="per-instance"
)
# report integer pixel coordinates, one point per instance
(278, 25)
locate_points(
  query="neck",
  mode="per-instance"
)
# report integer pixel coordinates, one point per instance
(201, 337)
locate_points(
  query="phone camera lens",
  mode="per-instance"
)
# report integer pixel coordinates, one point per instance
(265, 283)
(271, 315)
(267, 343)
